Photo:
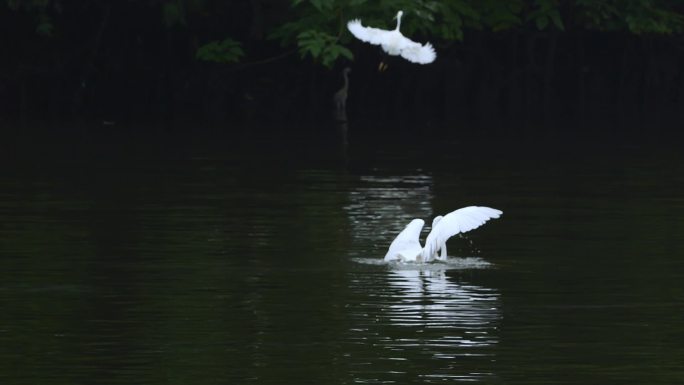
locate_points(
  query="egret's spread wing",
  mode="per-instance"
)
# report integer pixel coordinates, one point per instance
(417, 53)
(367, 34)
(406, 245)
(459, 221)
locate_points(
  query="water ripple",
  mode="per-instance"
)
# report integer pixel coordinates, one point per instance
(422, 325)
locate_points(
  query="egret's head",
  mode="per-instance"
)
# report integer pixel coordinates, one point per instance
(398, 17)
(346, 70)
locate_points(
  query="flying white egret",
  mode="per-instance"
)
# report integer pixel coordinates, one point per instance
(406, 246)
(393, 42)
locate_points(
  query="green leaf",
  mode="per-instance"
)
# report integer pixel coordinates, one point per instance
(322, 5)
(557, 21)
(311, 42)
(344, 51)
(466, 10)
(322, 47)
(317, 4)
(225, 51)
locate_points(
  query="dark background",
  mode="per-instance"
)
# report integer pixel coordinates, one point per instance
(96, 65)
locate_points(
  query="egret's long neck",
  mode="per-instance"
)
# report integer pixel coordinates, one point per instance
(398, 21)
(346, 80)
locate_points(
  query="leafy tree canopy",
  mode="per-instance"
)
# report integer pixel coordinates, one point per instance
(317, 28)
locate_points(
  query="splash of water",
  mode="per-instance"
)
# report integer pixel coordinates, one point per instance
(453, 263)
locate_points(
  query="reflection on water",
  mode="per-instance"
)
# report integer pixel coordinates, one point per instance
(424, 326)
(381, 206)
(199, 269)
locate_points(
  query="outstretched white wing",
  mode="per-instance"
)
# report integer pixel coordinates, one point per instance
(417, 53)
(371, 35)
(406, 246)
(459, 221)
(393, 42)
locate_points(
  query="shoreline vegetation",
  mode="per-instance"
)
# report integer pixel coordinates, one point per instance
(510, 68)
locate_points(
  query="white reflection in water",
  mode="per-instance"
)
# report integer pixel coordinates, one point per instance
(421, 325)
(427, 298)
(412, 323)
(382, 206)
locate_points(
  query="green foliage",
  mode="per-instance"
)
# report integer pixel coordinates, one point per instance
(320, 5)
(322, 46)
(636, 16)
(318, 31)
(318, 27)
(225, 51)
(499, 15)
(546, 12)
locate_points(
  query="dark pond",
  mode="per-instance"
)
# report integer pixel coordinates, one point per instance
(197, 263)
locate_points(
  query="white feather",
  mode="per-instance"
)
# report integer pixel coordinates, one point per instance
(393, 42)
(443, 247)
(367, 34)
(406, 246)
(458, 221)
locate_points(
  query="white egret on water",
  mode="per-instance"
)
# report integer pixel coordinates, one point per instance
(393, 42)
(406, 246)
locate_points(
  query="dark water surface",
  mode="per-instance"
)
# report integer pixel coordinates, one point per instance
(191, 264)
